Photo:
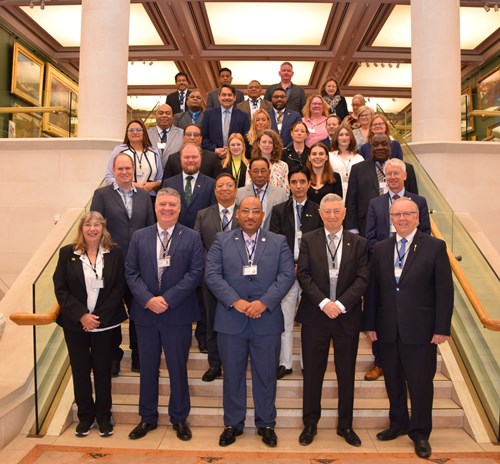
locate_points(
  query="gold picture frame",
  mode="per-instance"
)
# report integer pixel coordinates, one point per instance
(488, 90)
(27, 75)
(466, 106)
(60, 91)
(28, 125)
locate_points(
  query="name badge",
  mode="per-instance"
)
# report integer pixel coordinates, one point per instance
(334, 274)
(250, 270)
(397, 272)
(164, 262)
(97, 283)
(383, 186)
(312, 130)
(161, 146)
(139, 172)
(298, 234)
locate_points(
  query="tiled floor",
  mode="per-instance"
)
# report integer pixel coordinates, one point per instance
(206, 439)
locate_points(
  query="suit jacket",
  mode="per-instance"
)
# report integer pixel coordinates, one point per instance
(211, 127)
(208, 224)
(175, 140)
(173, 101)
(245, 106)
(243, 174)
(296, 97)
(71, 291)
(396, 151)
(283, 220)
(213, 98)
(313, 277)
(225, 279)
(203, 196)
(421, 304)
(178, 283)
(109, 203)
(378, 221)
(274, 196)
(362, 187)
(290, 156)
(327, 142)
(182, 120)
(289, 119)
(210, 165)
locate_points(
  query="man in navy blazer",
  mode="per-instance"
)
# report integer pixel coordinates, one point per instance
(212, 129)
(126, 209)
(280, 112)
(164, 266)
(408, 309)
(367, 181)
(249, 271)
(177, 100)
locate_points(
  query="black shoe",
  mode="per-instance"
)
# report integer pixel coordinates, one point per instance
(423, 448)
(105, 428)
(308, 434)
(268, 436)
(349, 436)
(183, 431)
(83, 428)
(136, 365)
(141, 430)
(390, 434)
(202, 346)
(211, 374)
(228, 436)
(282, 371)
(115, 367)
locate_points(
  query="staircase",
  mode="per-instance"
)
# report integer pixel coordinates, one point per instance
(371, 406)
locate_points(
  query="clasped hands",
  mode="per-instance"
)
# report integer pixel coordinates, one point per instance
(332, 310)
(90, 322)
(251, 309)
(157, 304)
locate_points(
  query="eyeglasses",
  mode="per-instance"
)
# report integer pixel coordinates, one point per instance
(248, 211)
(228, 186)
(259, 171)
(378, 124)
(192, 134)
(132, 130)
(405, 214)
(364, 115)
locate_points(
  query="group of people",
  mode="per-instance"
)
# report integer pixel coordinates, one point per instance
(248, 218)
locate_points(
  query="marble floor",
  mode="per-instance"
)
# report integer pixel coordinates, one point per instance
(206, 439)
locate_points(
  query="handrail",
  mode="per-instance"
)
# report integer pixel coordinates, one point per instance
(486, 320)
(23, 318)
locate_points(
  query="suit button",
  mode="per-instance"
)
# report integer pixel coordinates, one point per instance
(249, 279)
(397, 289)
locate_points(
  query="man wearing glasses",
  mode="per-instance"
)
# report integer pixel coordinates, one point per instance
(408, 309)
(269, 195)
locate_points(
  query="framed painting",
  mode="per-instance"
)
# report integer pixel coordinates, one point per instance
(62, 92)
(27, 75)
(488, 90)
(466, 119)
(27, 124)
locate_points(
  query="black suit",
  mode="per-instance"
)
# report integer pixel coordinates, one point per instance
(363, 186)
(210, 165)
(292, 158)
(405, 316)
(318, 329)
(173, 101)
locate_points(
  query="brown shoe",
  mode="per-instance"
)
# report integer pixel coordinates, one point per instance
(374, 373)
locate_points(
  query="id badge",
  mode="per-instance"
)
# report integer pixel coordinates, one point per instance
(164, 262)
(161, 146)
(312, 130)
(298, 234)
(250, 270)
(97, 283)
(397, 272)
(334, 274)
(383, 186)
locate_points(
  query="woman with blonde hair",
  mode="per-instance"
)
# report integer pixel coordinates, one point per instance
(314, 113)
(380, 125)
(235, 163)
(260, 121)
(361, 134)
(323, 179)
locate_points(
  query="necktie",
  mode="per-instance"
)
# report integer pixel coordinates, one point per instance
(279, 120)
(225, 219)
(395, 197)
(333, 248)
(164, 136)
(181, 98)
(254, 103)
(300, 208)
(162, 254)
(380, 175)
(400, 259)
(258, 191)
(225, 129)
(188, 192)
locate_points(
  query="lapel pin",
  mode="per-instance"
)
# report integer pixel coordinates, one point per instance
(415, 247)
(73, 259)
(348, 243)
(236, 237)
(263, 239)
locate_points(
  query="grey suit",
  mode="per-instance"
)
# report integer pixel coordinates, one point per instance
(175, 140)
(182, 120)
(274, 196)
(245, 106)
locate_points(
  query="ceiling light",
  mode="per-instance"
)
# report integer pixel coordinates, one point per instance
(31, 4)
(42, 5)
(496, 7)
(367, 64)
(397, 65)
(390, 65)
(486, 7)
(375, 64)
(150, 63)
(382, 64)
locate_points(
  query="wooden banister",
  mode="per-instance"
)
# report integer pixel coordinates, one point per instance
(486, 320)
(21, 318)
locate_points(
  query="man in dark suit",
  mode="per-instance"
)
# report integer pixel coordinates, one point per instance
(408, 309)
(379, 226)
(295, 93)
(225, 78)
(293, 218)
(163, 268)
(282, 117)
(194, 111)
(216, 218)
(219, 123)
(177, 99)
(332, 271)
(367, 181)
(255, 100)
(332, 124)
(249, 271)
(210, 163)
(126, 209)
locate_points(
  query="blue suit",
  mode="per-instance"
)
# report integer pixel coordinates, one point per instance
(170, 330)
(290, 117)
(211, 127)
(202, 197)
(239, 335)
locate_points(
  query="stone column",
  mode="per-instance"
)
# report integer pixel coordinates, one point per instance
(102, 103)
(435, 59)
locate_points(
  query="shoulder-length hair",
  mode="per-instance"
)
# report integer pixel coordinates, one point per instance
(146, 143)
(386, 122)
(277, 146)
(322, 90)
(327, 176)
(106, 241)
(352, 139)
(306, 111)
(252, 132)
(227, 160)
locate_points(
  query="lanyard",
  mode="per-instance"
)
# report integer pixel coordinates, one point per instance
(264, 194)
(333, 256)
(94, 266)
(224, 227)
(164, 247)
(236, 175)
(401, 258)
(250, 254)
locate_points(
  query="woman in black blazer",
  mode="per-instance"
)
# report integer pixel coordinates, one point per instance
(323, 179)
(89, 285)
(235, 163)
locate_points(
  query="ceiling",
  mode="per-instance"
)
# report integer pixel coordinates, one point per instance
(365, 44)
